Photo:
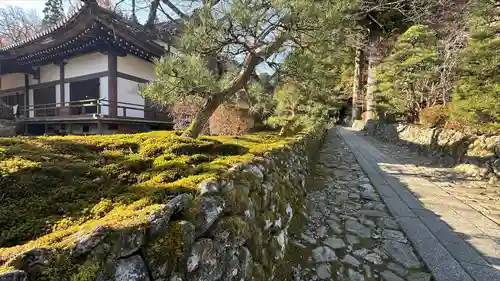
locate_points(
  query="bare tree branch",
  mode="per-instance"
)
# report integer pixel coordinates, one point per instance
(17, 24)
(175, 9)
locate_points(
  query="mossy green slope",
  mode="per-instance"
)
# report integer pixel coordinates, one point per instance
(52, 188)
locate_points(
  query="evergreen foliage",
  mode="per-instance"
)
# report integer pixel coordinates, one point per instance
(476, 98)
(409, 75)
(317, 80)
(53, 12)
(297, 109)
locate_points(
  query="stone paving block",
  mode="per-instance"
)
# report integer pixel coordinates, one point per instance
(397, 206)
(431, 220)
(458, 248)
(436, 207)
(481, 272)
(394, 203)
(494, 233)
(384, 190)
(487, 247)
(408, 197)
(441, 263)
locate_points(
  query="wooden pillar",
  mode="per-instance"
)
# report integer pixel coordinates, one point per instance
(99, 127)
(61, 83)
(26, 95)
(112, 83)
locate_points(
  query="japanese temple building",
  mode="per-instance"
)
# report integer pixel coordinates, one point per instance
(82, 75)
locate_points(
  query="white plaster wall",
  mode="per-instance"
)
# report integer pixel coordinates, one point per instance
(103, 93)
(66, 93)
(86, 64)
(58, 95)
(49, 72)
(137, 67)
(128, 91)
(12, 80)
(30, 102)
(163, 44)
(83, 65)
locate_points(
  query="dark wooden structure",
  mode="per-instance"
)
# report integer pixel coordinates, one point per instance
(89, 29)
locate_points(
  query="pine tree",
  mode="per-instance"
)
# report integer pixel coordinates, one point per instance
(248, 31)
(53, 12)
(407, 78)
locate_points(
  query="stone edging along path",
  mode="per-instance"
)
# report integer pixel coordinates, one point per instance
(447, 255)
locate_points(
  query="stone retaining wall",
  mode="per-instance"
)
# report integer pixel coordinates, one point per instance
(236, 228)
(479, 155)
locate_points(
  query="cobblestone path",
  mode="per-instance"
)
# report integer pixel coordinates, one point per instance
(349, 234)
(456, 241)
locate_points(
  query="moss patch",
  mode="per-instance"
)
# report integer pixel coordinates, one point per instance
(166, 254)
(87, 271)
(60, 186)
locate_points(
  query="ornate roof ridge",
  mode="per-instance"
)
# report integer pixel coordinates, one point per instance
(48, 30)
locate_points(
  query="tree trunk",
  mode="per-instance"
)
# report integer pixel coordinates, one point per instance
(249, 63)
(152, 15)
(196, 127)
(373, 60)
(134, 15)
(357, 87)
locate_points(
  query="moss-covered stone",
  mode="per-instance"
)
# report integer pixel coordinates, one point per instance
(232, 230)
(128, 242)
(204, 211)
(60, 183)
(258, 273)
(89, 271)
(237, 200)
(59, 267)
(206, 261)
(167, 253)
(266, 219)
